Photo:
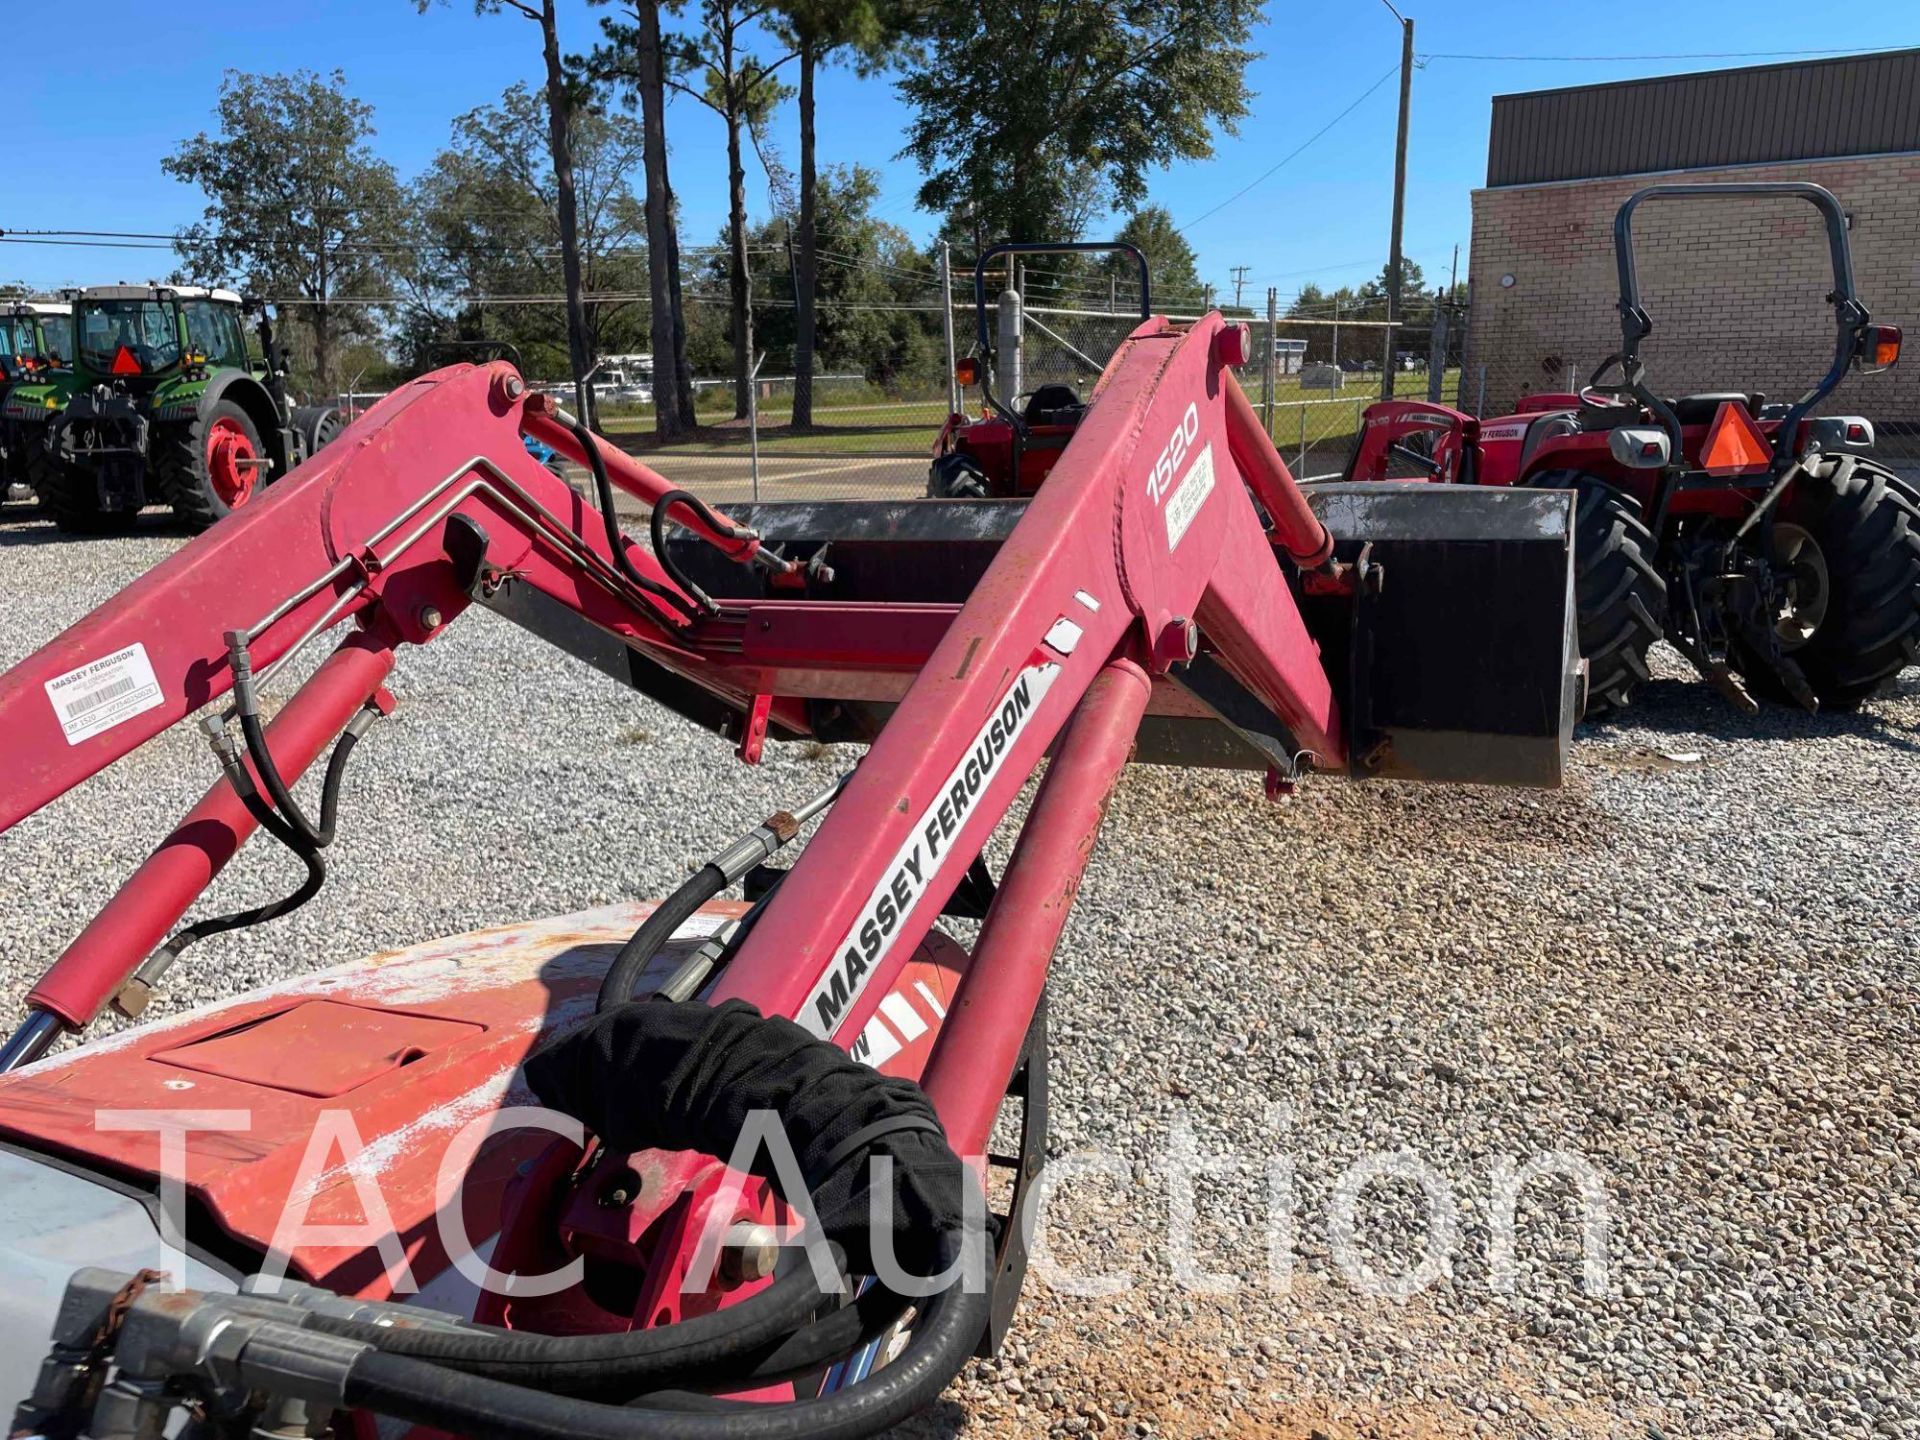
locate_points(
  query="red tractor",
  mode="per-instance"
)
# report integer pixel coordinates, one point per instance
(1761, 541)
(1009, 450)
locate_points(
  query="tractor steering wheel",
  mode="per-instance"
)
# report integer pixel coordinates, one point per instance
(1606, 397)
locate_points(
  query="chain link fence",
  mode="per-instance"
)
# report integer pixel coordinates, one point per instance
(885, 387)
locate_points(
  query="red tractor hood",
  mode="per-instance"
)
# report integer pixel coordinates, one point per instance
(322, 1101)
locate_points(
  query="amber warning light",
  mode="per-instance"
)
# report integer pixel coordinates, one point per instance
(967, 371)
(1880, 349)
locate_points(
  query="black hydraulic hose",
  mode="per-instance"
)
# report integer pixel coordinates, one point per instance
(657, 527)
(716, 875)
(616, 542)
(805, 1352)
(319, 836)
(307, 847)
(427, 1394)
(654, 932)
(615, 1364)
(241, 919)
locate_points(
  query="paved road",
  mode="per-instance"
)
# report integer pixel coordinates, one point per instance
(727, 479)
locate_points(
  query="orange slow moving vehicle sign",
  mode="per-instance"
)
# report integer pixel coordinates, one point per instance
(1735, 445)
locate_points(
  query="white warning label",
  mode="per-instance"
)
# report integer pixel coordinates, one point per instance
(98, 696)
(1189, 495)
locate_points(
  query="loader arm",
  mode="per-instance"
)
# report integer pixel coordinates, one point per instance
(430, 501)
(1169, 537)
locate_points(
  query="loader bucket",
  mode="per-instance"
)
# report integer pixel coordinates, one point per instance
(1454, 658)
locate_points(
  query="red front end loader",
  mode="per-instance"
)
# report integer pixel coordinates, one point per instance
(1762, 541)
(525, 1182)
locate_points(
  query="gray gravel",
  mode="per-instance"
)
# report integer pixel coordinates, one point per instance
(1698, 973)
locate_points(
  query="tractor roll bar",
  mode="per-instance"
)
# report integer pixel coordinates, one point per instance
(1039, 247)
(1850, 316)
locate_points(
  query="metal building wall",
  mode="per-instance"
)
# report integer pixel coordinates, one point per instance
(1852, 105)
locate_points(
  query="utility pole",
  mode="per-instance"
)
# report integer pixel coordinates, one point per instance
(1239, 282)
(1394, 256)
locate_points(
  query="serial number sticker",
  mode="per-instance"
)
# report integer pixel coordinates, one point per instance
(1189, 495)
(102, 694)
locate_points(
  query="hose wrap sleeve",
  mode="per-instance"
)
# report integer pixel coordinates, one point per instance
(682, 1075)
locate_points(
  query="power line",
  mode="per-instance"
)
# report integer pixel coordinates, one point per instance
(1292, 154)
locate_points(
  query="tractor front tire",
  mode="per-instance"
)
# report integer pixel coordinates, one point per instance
(1866, 521)
(1620, 597)
(69, 497)
(956, 476)
(206, 467)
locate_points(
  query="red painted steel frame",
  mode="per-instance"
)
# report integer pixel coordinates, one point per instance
(157, 895)
(1143, 529)
(987, 1025)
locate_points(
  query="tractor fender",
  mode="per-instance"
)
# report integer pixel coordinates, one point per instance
(246, 391)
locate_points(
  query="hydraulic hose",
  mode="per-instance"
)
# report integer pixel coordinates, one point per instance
(612, 1364)
(287, 824)
(616, 542)
(829, 1339)
(427, 1394)
(657, 528)
(654, 932)
(725, 869)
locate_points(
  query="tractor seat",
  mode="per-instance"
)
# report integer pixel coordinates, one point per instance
(1054, 405)
(1700, 409)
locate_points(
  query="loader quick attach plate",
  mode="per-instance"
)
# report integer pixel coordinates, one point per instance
(1455, 661)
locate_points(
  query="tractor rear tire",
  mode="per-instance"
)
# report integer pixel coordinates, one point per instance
(1866, 521)
(1620, 597)
(69, 497)
(316, 425)
(198, 467)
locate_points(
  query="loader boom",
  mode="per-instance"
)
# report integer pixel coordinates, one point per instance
(1143, 540)
(1169, 570)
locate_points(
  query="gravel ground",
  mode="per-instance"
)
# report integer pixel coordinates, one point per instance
(1693, 969)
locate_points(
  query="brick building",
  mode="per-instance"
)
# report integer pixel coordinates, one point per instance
(1736, 287)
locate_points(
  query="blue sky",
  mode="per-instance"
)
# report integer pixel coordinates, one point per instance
(97, 123)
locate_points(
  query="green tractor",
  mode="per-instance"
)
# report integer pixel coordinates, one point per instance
(164, 404)
(36, 338)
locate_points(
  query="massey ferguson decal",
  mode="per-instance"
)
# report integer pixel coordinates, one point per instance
(927, 850)
(1416, 418)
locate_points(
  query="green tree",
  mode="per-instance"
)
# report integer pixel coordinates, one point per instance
(298, 205)
(1373, 295)
(1016, 105)
(634, 56)
(721, 71)
(873, 272)
(818, 30)
(489, 222)
(563, 97)
(1172, 266)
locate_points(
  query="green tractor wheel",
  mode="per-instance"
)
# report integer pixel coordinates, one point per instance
(210, 466)
(67, 494)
